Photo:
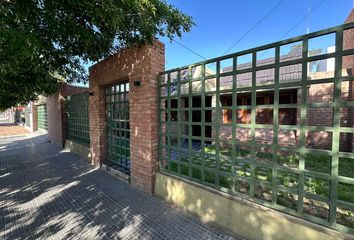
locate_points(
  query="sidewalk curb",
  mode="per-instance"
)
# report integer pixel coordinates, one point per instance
(12, 136)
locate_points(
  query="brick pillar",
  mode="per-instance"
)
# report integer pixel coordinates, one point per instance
(55, 124)
(135, 64)
(348, 66)
(12, 115)
(348, 61)
(34, 117)
(97, 118)
(56, 113)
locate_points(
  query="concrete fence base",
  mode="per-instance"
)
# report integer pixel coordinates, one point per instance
(79, 149)
(237, 215)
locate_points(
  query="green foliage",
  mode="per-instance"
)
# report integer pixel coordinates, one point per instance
(346, 192)
(313, 185)
(43, 43)
(313, 162)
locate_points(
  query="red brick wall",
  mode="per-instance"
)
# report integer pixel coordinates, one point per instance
(34, 117)
(348, 43)
(56, 113)
(143, 64)
(324, 93)
(54, 119)
(348, 65)
(319, 93)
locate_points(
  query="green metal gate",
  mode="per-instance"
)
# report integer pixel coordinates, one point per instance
(118, 128)
(273, 124)
(78, 127)
(42, 117)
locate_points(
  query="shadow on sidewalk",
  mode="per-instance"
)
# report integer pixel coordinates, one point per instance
(6, 124)
(51, 193)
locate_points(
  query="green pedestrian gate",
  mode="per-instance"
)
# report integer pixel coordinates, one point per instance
(118, 128)
(273, 124)
(78, 127)
(42, 117)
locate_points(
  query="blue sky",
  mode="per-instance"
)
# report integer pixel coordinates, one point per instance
(220, 23)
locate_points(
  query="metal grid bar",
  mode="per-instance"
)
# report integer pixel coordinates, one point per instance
(78, 127)
(248, 129)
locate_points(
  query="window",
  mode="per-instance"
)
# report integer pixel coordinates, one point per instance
(226, 101)
(288, 96)
(264, 116)
(227, 116)
(243, 116)
(287, 116)
(244, 99)
(265, 98)
(174, 105)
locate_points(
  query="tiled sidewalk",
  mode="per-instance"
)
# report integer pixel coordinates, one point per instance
(46, 193)
(8, 129)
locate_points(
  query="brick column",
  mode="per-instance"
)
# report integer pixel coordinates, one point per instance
(97, 118)
(34, 117)
(348, 67)
(56, 113)
(135, 64)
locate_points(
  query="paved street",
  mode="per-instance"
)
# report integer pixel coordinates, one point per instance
(46, 193)
(10, 129)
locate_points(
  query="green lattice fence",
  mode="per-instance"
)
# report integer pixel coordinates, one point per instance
(42, 117)
(78, 127)
(272, 124)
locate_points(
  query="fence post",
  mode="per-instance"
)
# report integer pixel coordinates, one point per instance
(140, 67)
